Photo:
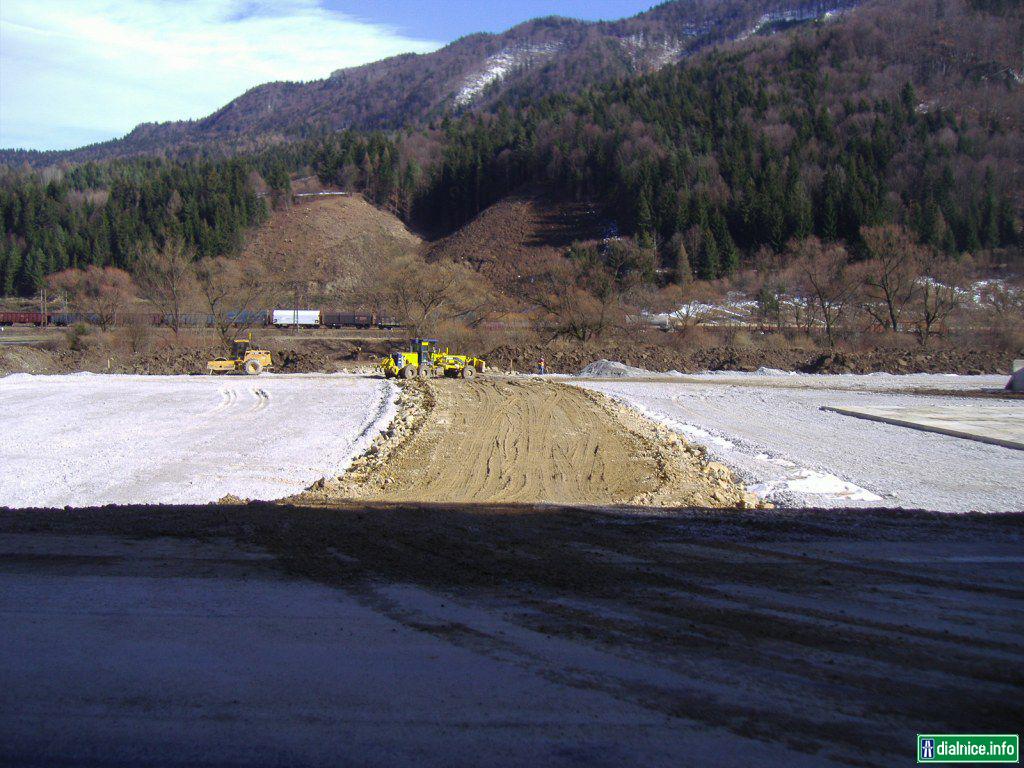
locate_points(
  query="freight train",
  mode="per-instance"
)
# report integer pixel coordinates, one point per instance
(280, 318)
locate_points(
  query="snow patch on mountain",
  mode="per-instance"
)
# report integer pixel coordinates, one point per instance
(793, 16)
(500, 65)
(647, 53)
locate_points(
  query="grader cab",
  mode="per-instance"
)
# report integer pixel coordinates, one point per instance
(424, 359)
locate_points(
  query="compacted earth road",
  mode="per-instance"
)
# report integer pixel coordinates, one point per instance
(508, 441)
(533, 442)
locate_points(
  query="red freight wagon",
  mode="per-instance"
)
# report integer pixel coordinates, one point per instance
(22, 318)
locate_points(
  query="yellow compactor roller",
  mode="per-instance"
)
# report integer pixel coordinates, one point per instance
(424, 359)
(243, 359)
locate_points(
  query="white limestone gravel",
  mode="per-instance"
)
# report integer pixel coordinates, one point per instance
(769, 427)
(85, 439)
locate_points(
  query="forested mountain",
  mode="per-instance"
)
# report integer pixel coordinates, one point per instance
(540, 57)
(909, 112)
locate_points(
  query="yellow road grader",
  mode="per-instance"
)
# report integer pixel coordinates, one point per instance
(425, 359)
(243, 359)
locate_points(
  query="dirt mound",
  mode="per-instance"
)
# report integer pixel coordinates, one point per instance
(506, 236)
(344, 238)
(310, 357)
(531, 442)
(963, 361)
(563, 357)
(26, 359)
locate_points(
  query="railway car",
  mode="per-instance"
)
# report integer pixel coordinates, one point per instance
(22, 318)
(348, 319)
(197, 320)
(303, 318)
(244, 318)
(248, 317)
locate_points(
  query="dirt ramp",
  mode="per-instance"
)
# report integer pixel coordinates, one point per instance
(506, 441)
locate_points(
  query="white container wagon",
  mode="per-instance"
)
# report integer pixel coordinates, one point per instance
(289, 318)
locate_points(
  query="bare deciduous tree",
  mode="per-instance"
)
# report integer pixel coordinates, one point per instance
(424, 295)
(233, 289)
(575, 299)
(891, 276)
(1002, 306)
(166, 277)
(101, 293)
(940, 295)
(823, 274)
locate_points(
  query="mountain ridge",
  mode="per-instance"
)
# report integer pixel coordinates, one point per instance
(476, 72)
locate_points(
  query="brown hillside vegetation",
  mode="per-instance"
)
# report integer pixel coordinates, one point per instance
(508, 236)
(342, 240)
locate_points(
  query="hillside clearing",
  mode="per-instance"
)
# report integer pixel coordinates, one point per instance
(344, 239)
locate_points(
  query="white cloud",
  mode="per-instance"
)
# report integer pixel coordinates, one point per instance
(76, 71)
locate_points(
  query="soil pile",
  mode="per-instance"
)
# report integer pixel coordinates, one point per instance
(314, 356)
(562, 357)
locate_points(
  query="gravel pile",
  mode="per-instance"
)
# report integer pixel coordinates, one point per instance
(612, 369)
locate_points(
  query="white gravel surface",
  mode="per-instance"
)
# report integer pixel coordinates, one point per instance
(87, 439)
(770, 428)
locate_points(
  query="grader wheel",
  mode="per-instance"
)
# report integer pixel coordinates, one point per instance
(423, 372)
(253, 367)
(468, 372)
(408, 372)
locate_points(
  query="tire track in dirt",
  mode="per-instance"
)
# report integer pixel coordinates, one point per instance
(508, 441)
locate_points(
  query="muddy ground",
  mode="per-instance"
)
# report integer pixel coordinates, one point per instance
(503, 635)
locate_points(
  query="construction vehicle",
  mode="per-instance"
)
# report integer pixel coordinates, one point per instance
(243, 359)
(425, 359)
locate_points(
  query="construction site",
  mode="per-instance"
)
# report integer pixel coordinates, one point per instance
(314, 536)
(432, 384)
(611, 567)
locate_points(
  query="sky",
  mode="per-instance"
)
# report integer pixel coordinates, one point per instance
(74, 72)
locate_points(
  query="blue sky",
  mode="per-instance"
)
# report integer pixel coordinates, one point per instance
(74, 72)
(451, 19)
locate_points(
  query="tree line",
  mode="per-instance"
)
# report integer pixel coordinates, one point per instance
(110, 214)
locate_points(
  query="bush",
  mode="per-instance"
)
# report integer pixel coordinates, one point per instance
(690, 337)
(76, 336)
(739, 338)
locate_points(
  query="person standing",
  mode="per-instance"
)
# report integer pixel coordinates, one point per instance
(540, 367)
